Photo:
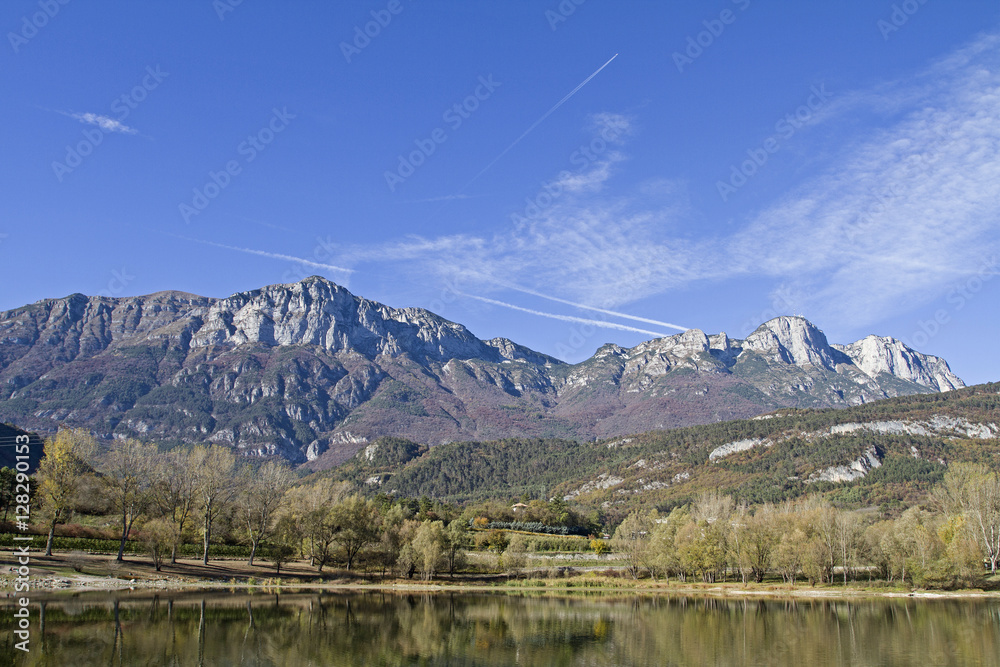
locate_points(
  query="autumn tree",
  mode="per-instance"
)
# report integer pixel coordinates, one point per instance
(515, 556)
(849, 536)
(158, 535)
(753, 538)
(822, 547)
(788, 552)
(59, 475)
(306, 516)
(701, 549)
(386, 551)
(354, 521)
(882, 547)
(409, 559)
(429, 546)
(663, 543)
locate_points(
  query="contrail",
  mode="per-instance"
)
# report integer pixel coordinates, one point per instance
(539, 121)
(272, 255)
(565, 318)
(613, 313)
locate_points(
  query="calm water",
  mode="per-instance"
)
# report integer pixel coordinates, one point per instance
(496, 629)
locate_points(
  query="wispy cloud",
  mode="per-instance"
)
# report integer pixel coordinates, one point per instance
(886, 221)
(903, 211)
(106, 123)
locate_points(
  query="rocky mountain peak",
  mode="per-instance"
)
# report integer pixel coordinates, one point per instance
(319, 312)
(306, 368)
(793, 340)
(877, 354)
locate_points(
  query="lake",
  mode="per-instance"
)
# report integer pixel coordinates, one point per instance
(391, 628)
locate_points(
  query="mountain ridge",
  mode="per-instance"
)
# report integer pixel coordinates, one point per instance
(310, 372)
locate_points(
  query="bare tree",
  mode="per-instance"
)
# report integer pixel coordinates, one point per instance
(127, 478)
(632, 541)
(263, 491)
(849, 534)
(712, 506)
(974, 492)
(175, 491)
(215, 480)
(306, 514)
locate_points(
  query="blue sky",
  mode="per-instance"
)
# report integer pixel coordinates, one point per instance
(733, 160)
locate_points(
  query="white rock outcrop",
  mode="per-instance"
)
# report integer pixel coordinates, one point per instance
(733, 447)
(854, 470)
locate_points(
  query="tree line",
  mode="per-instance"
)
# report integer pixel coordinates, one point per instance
(168, 498)
(952, 544)
(208, 494)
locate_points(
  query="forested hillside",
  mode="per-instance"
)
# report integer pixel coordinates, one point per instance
(774, 457)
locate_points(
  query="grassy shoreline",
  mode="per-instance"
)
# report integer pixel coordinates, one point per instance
(75, 573)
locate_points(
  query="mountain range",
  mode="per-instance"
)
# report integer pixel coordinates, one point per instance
(310, 372)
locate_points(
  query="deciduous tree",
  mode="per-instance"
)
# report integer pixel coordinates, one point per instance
(262, 493)
(127, 473)
(215, 482)
(59, 476)
(175, 490)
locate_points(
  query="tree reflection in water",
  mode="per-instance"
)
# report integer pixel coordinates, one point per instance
(336, 628)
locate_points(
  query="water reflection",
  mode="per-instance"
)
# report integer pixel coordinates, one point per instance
(382, 628)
